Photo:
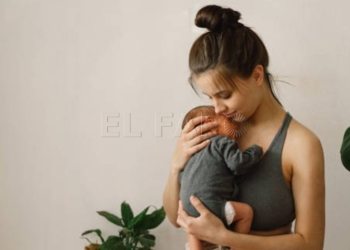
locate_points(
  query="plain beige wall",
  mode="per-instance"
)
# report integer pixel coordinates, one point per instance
(67, 65)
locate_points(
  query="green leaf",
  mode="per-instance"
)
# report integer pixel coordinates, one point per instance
(345, 149)
(87, 239)
(127, 214)
(112, 218)
(122, 234)
(151, 221)
(129, 247)
(138, 218)
(113, 243)
(147, 240)
(97, 231)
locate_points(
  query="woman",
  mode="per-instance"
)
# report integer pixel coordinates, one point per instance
(229, 64)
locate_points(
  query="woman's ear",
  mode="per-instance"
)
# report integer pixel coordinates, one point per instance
(258, 74)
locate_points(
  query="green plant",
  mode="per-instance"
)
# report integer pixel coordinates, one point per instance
(134, 233)
(345, 149)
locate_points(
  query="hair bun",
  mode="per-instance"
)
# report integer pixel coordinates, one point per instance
(216, 18)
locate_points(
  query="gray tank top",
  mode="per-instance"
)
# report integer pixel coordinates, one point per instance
(265, 189)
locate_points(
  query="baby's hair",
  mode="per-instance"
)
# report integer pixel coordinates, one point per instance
(198, 111)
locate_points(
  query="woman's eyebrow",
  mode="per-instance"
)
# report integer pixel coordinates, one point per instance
(217, 93)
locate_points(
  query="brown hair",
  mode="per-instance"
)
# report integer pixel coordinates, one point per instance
(229, 47)
(198, 111)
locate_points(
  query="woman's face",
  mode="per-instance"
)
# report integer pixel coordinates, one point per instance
(241, 101)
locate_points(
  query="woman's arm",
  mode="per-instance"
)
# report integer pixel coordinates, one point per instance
(309, 195)
(171, 197)
(308, 186)
(193, 138)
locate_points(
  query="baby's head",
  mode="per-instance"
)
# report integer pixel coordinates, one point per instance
(225, 126)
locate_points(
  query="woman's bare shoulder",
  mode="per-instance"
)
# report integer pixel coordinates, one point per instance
(299, 135)
(303, 145)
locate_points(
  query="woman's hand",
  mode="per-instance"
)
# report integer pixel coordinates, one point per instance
(194, 137)
(207, 226)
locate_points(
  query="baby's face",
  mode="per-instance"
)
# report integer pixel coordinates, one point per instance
(225, 126)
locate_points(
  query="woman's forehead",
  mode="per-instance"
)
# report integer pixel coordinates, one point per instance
(212, 82)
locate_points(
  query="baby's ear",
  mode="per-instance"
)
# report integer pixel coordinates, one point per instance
(208, 120)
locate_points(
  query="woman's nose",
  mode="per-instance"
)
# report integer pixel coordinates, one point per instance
(219, 107)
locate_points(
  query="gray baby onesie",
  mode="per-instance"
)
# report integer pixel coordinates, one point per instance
(210, 174)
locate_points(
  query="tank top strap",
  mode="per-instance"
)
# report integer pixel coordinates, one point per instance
(278, 141)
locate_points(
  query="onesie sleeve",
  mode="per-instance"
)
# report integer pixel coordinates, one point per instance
(237, 161)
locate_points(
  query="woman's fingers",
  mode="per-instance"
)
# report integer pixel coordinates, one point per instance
(198, 205)
(204, 227)
(194, 137)
(182, 216)
(196, 126)
(191, 124)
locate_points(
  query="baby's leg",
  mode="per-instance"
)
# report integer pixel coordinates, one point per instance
(194, 243)
(242, 216)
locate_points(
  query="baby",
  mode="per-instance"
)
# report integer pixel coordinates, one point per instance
(210, 175)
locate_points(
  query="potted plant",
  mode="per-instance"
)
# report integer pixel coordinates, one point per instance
(134, 233)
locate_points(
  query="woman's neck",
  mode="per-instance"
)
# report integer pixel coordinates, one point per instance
(268, 111)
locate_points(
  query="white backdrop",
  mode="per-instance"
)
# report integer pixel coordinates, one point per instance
(69, 68)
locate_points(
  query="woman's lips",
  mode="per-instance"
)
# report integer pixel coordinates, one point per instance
(236, 117)
(229, 115)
